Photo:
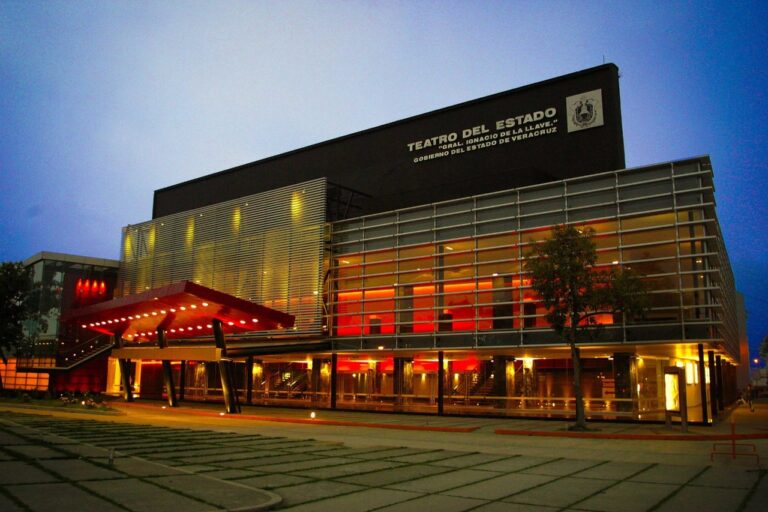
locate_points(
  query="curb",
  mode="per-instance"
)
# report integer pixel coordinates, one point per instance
(631, 437)
(306, 421)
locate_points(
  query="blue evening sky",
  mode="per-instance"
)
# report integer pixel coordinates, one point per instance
(102, 102)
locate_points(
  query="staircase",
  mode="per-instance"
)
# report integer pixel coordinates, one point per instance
(63, 355)
(483, 388)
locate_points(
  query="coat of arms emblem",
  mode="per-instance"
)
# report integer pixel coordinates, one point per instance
(585, 110)
(584, 113)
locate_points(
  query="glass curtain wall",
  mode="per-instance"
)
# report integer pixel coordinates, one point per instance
(406, 275)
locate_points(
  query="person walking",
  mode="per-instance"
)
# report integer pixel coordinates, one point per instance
(748, 397)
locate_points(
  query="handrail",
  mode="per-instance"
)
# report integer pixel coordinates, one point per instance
(68, 357)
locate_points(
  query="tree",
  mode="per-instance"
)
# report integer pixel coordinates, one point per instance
(763, 351)
(574, 292)
(14, 310)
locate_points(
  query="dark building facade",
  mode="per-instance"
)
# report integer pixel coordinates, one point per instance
(528, 135)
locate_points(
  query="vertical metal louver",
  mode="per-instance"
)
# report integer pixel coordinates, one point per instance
(266, 248)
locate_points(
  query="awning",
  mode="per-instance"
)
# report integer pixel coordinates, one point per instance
(184, 310)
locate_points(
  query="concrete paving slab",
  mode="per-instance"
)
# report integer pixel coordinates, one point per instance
(201, 452)
(228, 474)
(78, 470)
(35, 451)
(229, 495)
(759, 497)
(8, 505)
(228, 456)
(628, 497)
(160, 460)
(8, 439)
(500, 486)
(444, 481)
(736, 478)
(188, 436)
(613, 470)
(311, 491)
(263, 481)
(362, 501)
(283, 444)
(498, 506)
(562, 467)
(389, 453)
(355, 468)
(84, 450)
(667, 474)
(560, 493)
(54, 439)
(19, 472)
(121, 444)
(259, 463)
(138, 467)
(60, 496)
(246, 439)
(440, 502)
(354, 452)
(249, 464)
(470, 459)
(419, 458)
(146, 449)
(142, 496)
(315, 462)
(703, 499)
(190, 468)
(394, 475)
(315, 447)
(514, 463)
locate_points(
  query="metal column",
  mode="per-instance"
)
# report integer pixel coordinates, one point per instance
(712, 384)
(170, 389)
(334, 379)
(249, 380)
(720, 386)
(225, 371)
(703, 385)
(440, 382)
(125, 376)
(182, 379)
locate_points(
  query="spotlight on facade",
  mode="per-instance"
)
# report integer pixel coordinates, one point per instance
(312, 415)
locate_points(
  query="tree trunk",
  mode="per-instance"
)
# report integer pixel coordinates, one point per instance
(581, 420)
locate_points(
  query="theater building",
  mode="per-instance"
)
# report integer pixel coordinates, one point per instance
(383, 271)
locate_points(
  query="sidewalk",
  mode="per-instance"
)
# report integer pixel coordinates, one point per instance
(45, 471)
(747, 425)
(193, 458)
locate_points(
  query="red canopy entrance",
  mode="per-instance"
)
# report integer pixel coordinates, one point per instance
(183, 310)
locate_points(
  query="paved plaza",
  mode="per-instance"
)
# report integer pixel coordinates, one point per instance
(84, 462)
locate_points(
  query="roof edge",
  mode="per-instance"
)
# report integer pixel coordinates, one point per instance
(607, 66)
(70, 258)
